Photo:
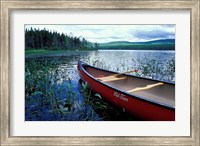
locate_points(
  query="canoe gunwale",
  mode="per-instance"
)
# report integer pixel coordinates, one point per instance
(82, 65)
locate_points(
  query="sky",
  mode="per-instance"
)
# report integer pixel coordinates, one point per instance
(110, 33)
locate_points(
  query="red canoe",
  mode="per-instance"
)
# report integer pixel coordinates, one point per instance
(147, 99)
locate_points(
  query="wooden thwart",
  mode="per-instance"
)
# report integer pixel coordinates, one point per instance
(110, 78)
(145, 88)
(114, 77)
(122, 73)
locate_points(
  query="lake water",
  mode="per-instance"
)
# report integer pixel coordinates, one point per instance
(63, 69)
(151, 64)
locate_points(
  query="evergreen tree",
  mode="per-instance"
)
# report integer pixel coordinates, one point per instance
(44, 39)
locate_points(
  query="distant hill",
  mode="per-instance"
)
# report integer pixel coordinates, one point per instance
(166, 41)
(164, 44)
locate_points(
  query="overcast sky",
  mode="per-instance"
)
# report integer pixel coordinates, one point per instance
(108, 33)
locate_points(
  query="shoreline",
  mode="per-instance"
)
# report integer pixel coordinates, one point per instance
(63, 53)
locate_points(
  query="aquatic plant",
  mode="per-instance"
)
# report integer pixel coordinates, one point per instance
(149, 68)
(51, 94)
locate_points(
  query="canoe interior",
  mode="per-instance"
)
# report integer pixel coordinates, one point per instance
(164, 94)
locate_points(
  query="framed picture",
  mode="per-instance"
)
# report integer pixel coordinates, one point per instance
(68, 67)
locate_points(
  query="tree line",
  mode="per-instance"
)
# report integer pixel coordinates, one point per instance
(139, 47)
(45, 39)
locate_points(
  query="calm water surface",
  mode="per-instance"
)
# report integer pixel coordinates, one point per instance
(156, 62)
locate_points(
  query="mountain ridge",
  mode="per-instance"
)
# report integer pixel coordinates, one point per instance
(147, 42)
(162, 44)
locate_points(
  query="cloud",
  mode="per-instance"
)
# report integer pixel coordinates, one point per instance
(153, 34)
(107, 33)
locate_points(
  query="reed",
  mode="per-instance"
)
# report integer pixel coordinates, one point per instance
(49, 98)
(149, 68)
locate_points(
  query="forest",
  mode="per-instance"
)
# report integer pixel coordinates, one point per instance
(36, 39)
